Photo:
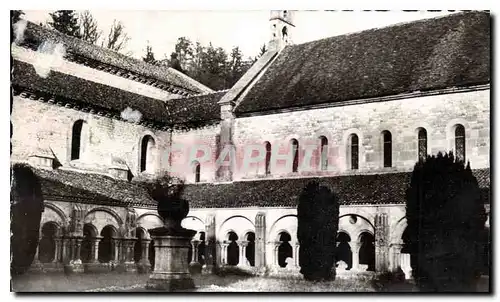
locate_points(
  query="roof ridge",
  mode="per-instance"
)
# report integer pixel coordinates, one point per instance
(385, 27)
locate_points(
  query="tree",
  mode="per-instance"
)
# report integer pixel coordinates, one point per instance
(117, 38)
(318, 218)
(66, 21)
(89, 28)
(263, 50)
(184, 51)
(26, 212)
(444, 216)
(150, 56)
(15, 15)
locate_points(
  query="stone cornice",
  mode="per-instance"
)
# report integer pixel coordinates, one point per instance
(410, 95)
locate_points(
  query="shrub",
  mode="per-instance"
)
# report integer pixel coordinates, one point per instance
(318, 218)
(444, 216)
(26, 212)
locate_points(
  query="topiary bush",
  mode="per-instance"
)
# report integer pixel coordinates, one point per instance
(444, 216)
(318, 219)
(26, 212)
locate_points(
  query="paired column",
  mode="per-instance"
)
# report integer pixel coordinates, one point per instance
(116, 245)
(57, 252)
(144, 251)
(243, 247)
(94, 253)
(396, 256)
(224, 246)
(194, 254)
(260, 240)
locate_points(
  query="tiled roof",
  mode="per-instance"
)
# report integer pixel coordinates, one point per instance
(67, 185)
(87, 93)
(437, 53)
(85, 52)
(387, 188)
(202, 107)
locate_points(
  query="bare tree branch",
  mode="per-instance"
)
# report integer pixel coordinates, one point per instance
(88, 27)
(117, 38)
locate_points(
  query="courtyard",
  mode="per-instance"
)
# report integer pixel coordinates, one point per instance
(114, 282)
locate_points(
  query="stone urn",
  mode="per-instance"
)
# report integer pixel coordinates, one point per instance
(171, 244)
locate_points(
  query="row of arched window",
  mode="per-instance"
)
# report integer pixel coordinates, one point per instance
(79, 140)
(353, 149)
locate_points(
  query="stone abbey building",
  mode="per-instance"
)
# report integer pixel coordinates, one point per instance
(92, 123)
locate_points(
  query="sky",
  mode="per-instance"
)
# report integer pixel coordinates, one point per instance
(247, 29)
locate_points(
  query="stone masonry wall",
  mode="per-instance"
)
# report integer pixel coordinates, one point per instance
(437, 114)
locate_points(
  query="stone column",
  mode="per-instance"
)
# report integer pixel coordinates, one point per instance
(194, 254)
(381, 242)
(396, 256)
(210, 244)
(260, 240)
(355, 246)
(36, 258)
(57, 256)
(74, 264)
(64, 248)
(276, 253)
(94, 253)
(296, 248)
(243, 247)
(125, 256)
(116, 244)
(224, 246)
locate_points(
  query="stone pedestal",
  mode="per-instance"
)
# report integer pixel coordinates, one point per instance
(171, 269)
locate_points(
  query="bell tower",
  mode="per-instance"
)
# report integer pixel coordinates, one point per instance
(281, 25)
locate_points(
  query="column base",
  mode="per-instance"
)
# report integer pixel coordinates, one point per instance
(195, 268)
(96, 267)
(126, 267)
(143, 267)
(75, 267)
(170, 281)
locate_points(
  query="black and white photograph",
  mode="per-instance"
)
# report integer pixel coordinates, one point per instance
(338, 151)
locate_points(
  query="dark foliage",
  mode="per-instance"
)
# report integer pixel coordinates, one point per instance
(66, 22)
(318, 218)
(445, 216)
(167, 191)
(15, 15)
(26, 212)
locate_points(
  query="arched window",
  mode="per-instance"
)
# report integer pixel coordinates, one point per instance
(78, 136)
(387, 139)
(147, 154)
(284, 32)
(422, 143)
(268, 158)
(323, 160)
(197, 170)
(460, 142)
(353, 151)
(295, 150)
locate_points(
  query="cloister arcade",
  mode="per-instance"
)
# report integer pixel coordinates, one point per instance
(107, 241)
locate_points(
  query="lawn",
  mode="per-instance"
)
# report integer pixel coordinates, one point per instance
(204, 283)
(114, 282)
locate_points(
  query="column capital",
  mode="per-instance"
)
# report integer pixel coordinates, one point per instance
(195, 243)
(242, 242)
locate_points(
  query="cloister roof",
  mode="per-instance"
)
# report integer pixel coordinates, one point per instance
(388, 188)
(450, 51)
